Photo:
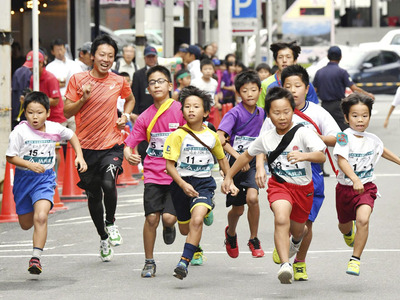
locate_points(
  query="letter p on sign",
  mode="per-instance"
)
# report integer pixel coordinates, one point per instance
(244, 8)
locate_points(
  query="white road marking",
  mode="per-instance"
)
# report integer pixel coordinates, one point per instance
(179, 253)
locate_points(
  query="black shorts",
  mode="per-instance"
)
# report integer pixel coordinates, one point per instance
(184, 204)
(100, 163)
(157, 198)
(243, 181)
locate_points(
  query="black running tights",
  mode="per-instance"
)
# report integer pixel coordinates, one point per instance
(108, 186)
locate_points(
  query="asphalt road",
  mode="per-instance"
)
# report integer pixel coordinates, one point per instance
(72, 268)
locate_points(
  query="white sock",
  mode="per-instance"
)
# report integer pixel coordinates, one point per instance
(37, 252)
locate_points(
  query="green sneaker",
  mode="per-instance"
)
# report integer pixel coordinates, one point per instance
(353, 267)
(198, 257)
(209, 218)
(106, 252)
(300, 271)
(275, 257)
(349, 239)
(114, 237)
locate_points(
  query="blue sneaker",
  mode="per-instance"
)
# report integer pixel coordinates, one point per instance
(181, 271)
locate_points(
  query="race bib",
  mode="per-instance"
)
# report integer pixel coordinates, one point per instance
(156, 144)
(242, 143)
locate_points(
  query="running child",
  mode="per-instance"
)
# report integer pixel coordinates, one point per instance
(263, 70)
(357, 152)
(241, 126)
(290, 150)
(295, 79)
(191, 148)
(182, 78)
(154, 125)
(31, 149)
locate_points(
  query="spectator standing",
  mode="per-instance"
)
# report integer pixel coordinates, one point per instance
(49, 85)
(61, 67)
(192, 61)
(331, 82)
(127, 62)
(20, 81)
(84, 59)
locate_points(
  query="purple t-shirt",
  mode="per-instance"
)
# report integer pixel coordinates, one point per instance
(154, 164)
(227, 80)
(242, 126)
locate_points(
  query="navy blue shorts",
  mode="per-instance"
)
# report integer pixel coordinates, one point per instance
(30, 187)
(243, 181)
(184, 204)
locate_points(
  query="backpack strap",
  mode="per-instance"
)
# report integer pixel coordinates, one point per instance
(160, 111)
(307, 118)
(195, 137)
(287, 138)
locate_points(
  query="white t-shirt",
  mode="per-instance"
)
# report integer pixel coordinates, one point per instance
(194, 69)
(63, 70)
(305, 140)
(25, 143)
(361, 153)
(318, 114)
(210, 87)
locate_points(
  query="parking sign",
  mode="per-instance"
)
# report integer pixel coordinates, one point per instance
(244, 17)
(244, 8)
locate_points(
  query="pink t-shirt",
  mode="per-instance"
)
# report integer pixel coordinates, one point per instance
(167, 122)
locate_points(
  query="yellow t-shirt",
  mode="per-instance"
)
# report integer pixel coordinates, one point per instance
(192, 158)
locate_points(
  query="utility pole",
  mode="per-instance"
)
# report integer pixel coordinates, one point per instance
(193, 21)
(169, 29)
(140, 36)
(5, 81)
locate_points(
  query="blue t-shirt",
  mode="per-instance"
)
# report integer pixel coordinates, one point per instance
(242, 126)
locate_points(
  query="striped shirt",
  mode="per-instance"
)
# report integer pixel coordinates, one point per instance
(96, 120)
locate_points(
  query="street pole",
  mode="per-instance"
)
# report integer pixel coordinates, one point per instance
(269, 28)
(332, 22)
(35, 44)
(5, 82)
(140, 37)
(258, 44)
(169, 29)
(206, 18)
(193, 22)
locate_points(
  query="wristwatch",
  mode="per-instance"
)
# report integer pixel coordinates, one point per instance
(126, 115)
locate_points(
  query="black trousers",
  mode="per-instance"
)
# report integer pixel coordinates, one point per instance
(333, 107)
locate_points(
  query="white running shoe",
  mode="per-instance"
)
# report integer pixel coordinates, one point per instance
(285, 273)
(294, 248)
(106, 252)
(113, 235)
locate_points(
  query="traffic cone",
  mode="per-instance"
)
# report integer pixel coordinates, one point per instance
(61, 167)
(8, 213)
(126, 177)
(70, 190)
(224, 109)
(58, 205)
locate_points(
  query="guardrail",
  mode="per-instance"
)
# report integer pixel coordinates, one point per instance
(378, 84)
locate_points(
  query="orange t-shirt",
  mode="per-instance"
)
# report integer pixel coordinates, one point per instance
(96, 121)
